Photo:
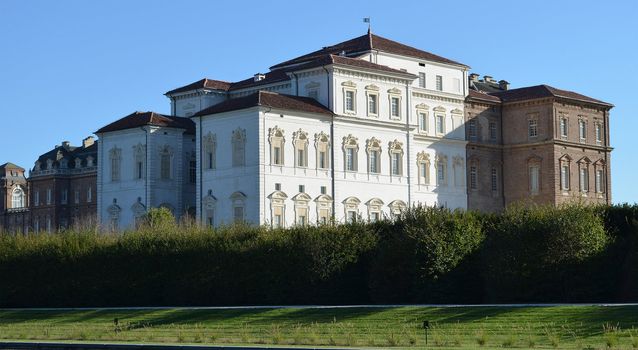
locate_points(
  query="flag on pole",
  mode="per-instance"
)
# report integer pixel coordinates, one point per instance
(366, 20)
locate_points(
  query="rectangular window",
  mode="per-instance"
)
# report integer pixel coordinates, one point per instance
(277, 155)
(76, 197)
(115, 169)
(472, 129)
(394, 110)
(165, 166)
(440, 173)
(301, 159)
(564, 177)
(302, 188)
(374, 216)
(36, 198)
(599, 133)
(277, 221)
(238, 214)
(423, 122)
(494, 180)
(599, 181)
(374, 164)
(582, 130)
(210, 160)
(323, 189)
(48, 196)
(563, 127)
(350, 165)
(473, 182)
(277, 187)
(192, 171)
(584, 180)
(423, 170)
(440, 124)
(349, 101)
(139, 172)
(421, 79)
(89, 195)
(64, 196)
(492, 131)
(396, 164)
(532, 128)
(323, 159)
(372, 104)
(534, 173)
(439, 83)
(352, 216)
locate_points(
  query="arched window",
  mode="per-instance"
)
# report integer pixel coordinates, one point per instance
(138, 210)
(459, 171)
(534, 174)
(322, 144)
(396, 207)
(423, 166)
(17, 198)
(209, 158)
(395, 149)
(139, 158)
(324, 209)
(166, 155)
(351, 208)
(441, 170)
(210, 206)
(350, 150)
(278, 209)
(301, 208)
(114, 215)
(239, 147)
(300, 142)
(564, 164)
(115, 155)
(375, 206)
(277, 140)
(373, 148)
(238, 200)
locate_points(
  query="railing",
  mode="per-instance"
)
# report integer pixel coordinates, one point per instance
(17, 210)
(62, 171)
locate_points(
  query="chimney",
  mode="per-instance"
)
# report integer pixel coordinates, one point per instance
(488, 79)
(503, 85)
(89, 141)
(342, 53)
(474, 77)
(66, 144)
(260, 76)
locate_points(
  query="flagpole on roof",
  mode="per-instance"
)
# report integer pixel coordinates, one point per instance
(367, 20)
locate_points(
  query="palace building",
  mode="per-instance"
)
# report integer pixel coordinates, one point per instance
(359, 130)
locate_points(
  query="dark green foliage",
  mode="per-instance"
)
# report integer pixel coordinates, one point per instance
(428, 255)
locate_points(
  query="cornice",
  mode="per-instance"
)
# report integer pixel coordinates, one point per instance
(436, 97)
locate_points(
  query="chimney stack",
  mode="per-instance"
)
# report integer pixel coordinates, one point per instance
(66, 144)
(488, 79)
(89, 141)
(503, 85)
(260, 76)
(474, 77)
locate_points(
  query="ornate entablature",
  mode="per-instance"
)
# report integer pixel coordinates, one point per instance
(437, 98)
(300, 135)
(395, 146)
(457, 160)
(371, 76)
(276, 132)
(321, 137)
(373, 144)
(423, 156)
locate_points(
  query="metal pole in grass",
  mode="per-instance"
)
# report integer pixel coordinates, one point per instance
(426, 326)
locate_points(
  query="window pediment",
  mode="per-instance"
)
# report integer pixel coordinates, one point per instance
(423, 157)
(584, 160)
(372, 87)
(349, 83)
(456, 111)
(351, 141)
(275, 132)
(394, 91)
(422, 106)
(375, 202)
(324, 198)
(301, 197)
(439, 109)
(351, 201)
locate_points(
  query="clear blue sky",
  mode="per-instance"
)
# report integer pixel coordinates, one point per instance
(70, 67)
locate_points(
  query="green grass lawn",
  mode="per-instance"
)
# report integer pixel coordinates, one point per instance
(565, 327)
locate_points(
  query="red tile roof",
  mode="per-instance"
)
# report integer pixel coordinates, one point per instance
(268, 99)
(270, 77)
(352, 62)
(478, 95)
(540, 91)
(366, 43)
(203, 84)
(138, 119)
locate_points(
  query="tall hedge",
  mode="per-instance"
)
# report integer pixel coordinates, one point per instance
(428, 255)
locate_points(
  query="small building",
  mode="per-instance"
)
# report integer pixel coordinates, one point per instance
(14, 199)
